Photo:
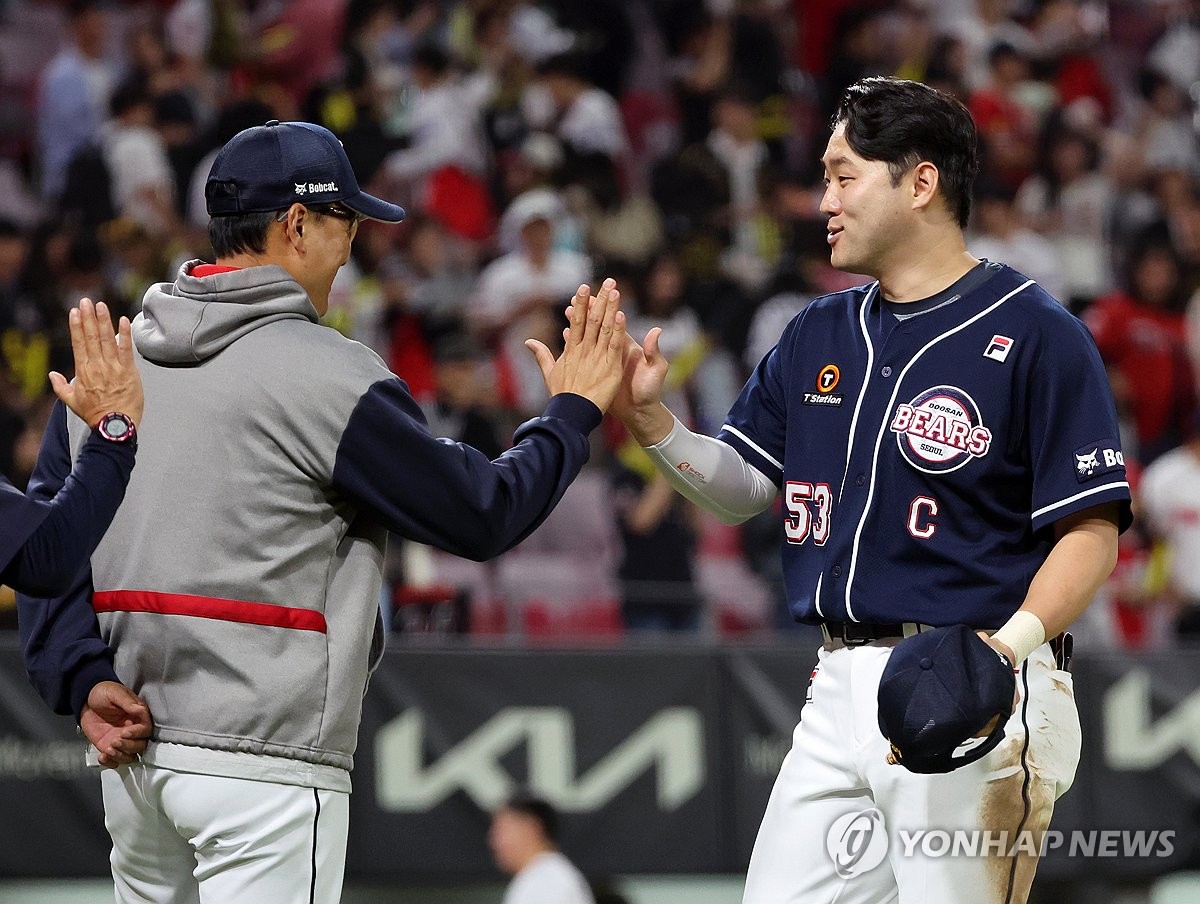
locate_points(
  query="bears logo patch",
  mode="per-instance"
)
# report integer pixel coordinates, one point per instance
(941, 430)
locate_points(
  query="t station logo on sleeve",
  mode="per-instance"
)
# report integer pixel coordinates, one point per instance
(940, 430)
(827, 381)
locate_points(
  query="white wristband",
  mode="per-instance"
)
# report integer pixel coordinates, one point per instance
(1023, 633)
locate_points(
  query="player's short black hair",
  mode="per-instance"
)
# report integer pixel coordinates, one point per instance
(537, 809)
(241, 233)
(904, 123)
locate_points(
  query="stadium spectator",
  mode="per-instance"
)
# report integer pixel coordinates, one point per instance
(584, 117)
(520, 294)
(447, 157)
(1007, 123)
(1170, 502)
(658, 531)
(1142, 337)
(73, 94)
(1001, 235)
(1069, 201)
(524, 842)
(141, 180)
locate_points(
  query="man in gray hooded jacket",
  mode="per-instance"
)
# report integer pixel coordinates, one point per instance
(237, 590)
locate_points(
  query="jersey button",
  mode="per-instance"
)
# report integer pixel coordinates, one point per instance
(837, 571)
(887, 372)
(860, 480)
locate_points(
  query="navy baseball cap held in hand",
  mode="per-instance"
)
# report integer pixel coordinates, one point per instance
(939, 689)
(271, 167)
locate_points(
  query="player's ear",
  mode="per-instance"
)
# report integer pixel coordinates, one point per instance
(925, 180)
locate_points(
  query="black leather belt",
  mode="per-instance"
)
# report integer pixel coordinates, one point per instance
(856, 634)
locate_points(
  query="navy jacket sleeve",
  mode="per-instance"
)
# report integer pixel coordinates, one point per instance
(19, 518)
(74, 521)
(64, 653)
(450, 495)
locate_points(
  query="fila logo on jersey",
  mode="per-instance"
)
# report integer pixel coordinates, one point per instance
(998, 348)
(941, 430)
(827, 381)
(1096, 460)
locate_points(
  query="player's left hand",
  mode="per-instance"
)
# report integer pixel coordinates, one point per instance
(117, 723)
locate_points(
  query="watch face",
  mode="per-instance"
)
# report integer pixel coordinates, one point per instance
(116, 427)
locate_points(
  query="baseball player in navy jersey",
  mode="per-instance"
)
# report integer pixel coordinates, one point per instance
(946, 447)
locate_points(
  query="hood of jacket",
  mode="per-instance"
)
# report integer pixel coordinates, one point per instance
(194, 318)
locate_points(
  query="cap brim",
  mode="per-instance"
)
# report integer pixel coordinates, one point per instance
(373, 208)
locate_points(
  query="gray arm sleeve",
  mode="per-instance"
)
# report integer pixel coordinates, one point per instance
(711, 474)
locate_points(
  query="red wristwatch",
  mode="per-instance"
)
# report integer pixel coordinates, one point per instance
(117, 428)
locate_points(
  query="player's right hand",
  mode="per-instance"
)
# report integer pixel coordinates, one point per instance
(106, 377)
(639, 402)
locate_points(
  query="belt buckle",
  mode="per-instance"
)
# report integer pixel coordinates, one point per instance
(857, 641)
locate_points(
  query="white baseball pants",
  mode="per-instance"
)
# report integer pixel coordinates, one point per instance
(837, 766)
(186, 838)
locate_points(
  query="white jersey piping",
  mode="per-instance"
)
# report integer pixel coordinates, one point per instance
(1093, 491)
(752, 444)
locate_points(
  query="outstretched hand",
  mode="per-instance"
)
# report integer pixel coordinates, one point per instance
(594, 354)
(639, 401)
(117, 723)
(106, 377)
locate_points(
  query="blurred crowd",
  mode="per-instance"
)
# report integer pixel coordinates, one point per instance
(672, 144)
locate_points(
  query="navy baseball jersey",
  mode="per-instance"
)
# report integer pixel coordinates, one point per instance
(922, 458)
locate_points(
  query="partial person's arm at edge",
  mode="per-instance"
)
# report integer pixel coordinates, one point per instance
(712, 474)
(1083, 556)
(78, 516)
(64, 654)
(448, 494)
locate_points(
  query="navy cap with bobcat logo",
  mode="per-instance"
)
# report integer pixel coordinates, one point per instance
(270, 167)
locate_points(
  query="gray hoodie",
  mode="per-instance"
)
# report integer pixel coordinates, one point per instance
(239, 586)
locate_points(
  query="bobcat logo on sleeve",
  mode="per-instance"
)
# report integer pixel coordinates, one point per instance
(1096, 460)
(941, 430)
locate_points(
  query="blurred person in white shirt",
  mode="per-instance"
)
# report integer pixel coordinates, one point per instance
(584, 117)
(446, 124)
(524, 842)
(1170, 504)
(522, 294)
(143, 183)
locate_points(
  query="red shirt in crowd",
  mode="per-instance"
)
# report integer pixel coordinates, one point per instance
(1146, 347)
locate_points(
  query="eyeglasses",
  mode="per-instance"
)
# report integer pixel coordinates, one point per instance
(338, 211)
(333, 209)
